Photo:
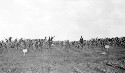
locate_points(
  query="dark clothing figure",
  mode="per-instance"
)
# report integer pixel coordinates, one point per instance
(81, 41)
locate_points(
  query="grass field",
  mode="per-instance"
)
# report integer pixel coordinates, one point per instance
(60, 60)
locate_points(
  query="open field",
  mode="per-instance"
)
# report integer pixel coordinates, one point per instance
(59, 60)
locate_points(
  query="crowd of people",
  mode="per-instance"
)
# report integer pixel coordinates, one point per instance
(39, 44)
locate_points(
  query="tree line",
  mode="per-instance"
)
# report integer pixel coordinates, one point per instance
(40, 44)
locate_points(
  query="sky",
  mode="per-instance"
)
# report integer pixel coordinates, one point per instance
(64, 19)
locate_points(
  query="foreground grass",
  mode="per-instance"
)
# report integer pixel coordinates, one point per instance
(58, 60)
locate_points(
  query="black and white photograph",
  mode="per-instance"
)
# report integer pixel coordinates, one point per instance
(62, 36)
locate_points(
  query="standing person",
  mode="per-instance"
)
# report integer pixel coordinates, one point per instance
(81, 41)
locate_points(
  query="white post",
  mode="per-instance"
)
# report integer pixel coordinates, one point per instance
(107, 50)
(107, 47)
(24, 51)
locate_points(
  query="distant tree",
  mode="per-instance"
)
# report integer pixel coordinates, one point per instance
(10, 39)
(50, 40)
